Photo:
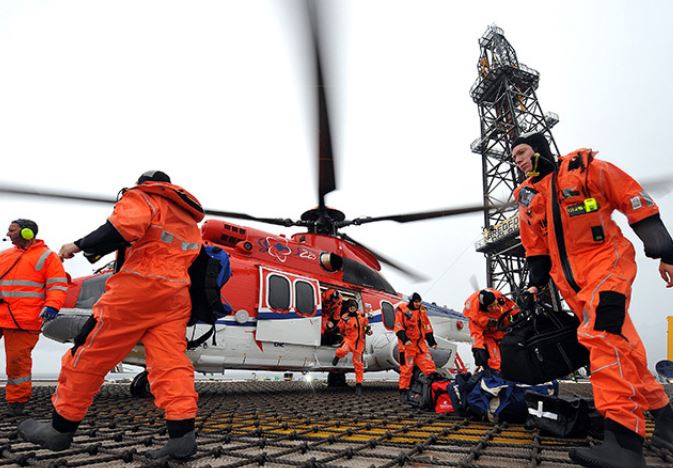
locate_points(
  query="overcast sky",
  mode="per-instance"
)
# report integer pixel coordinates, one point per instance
(216, 94)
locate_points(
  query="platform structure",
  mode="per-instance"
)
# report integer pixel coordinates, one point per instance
(276, 424)
(504, 92)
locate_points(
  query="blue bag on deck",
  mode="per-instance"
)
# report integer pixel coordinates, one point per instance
(497, 399)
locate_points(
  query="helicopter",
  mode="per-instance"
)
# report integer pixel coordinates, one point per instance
(276, 283)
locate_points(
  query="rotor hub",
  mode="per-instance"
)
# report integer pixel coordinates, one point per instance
(323, 220)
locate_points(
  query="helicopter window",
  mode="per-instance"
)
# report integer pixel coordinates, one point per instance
(357, 273)
(388, 313)
(304, 298)
(279, 292)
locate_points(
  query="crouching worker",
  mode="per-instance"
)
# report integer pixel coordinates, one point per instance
(353, 327)
(414, 332)
(147, 300)
(484, 309)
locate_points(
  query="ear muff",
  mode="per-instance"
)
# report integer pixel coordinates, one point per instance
(27, 234)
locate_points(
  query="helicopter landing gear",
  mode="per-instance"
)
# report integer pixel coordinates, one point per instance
(140, 386)
(336, 379)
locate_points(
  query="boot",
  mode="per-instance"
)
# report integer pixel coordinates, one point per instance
(403, 395)
(335, 361)
(16, 409)
(43, 434)
(663, 427)
(181, 448)
(621, 448)
(358, 389)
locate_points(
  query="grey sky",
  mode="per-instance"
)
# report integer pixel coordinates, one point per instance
(93, 93)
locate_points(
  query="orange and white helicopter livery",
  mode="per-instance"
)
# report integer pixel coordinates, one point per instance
(275, 295)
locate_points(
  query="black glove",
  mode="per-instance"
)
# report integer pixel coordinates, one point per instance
(526, 301)
(430, 338)
(480, 357)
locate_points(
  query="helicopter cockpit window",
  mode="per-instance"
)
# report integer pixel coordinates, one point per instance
(279, 292)
(357, 273)
(304, 297)
(388, 313)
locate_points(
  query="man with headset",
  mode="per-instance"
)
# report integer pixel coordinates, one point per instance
(33, 287)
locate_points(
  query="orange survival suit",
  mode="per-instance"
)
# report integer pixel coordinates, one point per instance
(413, 329)
(568, 232)
(353, 327)
(331, 308)
(147, 301)
(30, 279)
(483, 321)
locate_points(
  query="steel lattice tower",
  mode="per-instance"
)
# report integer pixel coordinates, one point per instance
(508, 106)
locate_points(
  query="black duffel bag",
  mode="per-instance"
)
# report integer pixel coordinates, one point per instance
(420, 391)
(541, 345)
(563, 416)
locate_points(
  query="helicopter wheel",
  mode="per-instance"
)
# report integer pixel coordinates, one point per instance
(140, 386)
(336, 379)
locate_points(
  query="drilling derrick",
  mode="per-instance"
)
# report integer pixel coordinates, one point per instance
(505, 95)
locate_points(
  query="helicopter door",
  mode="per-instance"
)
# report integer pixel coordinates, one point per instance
(288, 308)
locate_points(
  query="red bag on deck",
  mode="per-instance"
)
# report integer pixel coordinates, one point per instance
(441, 398)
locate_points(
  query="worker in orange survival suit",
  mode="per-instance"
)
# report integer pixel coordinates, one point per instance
(353, 327)
(33, 287)
(414, 332)
(566, 228)
(147, 300)
(331, 314)
(483, 309)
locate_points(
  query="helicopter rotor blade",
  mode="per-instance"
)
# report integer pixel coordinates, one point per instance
(423, 215)
(62, 195)
(33, 192)
(658, 186)
(287, 222)
(406, 270)
(474, 283)
(326, 176)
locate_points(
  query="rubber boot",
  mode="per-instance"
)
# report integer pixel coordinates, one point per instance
(663, 427)
(43, 434)
(16, 409)
(179, 448)
(403, 395)
(358, 389)
(335, 361)
(621, 448)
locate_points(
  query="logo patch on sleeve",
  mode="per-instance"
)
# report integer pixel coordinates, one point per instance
(635, 203)
(647, 198)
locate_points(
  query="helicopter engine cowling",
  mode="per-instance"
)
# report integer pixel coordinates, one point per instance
(385, 354)
(67, 325)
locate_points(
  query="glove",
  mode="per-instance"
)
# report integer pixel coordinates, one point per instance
(48, 313)
(526, 301)
(480, 357)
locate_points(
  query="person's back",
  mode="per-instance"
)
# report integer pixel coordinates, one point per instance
(147, 301)
(161, 224)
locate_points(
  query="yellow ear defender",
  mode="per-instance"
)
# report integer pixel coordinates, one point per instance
(27, 233)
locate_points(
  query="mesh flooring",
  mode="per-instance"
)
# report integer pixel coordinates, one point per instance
(276, 424)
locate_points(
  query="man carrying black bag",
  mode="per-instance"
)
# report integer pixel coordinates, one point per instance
(567, 231)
